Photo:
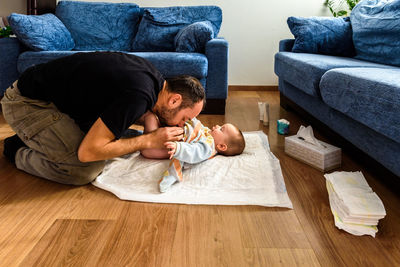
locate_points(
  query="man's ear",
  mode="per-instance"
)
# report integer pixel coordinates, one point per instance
(222, 147)
(174, 100)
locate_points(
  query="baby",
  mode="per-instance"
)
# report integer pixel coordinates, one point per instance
(199, 144)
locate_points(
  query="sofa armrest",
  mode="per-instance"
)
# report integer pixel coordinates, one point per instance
(217, 77)
(286, 45)
(9, 50)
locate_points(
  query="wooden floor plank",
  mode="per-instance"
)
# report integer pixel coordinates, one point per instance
(208, 236)
(281, 257)
(277, 228)
(70, 243)
(26, 215)
(142, 236)
(90, 202)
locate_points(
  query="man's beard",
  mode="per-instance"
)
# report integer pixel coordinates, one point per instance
(165, 115)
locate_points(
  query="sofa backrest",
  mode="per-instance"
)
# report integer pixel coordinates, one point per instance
(100, 26)
(126, 27)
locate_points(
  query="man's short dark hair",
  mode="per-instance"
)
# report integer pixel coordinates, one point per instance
(189, 88)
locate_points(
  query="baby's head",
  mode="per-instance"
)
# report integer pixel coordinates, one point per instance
(228, 139)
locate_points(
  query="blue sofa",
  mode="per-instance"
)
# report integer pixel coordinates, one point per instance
(345, 73)
(100, 26)
(348, 95)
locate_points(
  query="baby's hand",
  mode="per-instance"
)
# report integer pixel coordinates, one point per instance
(171, 146)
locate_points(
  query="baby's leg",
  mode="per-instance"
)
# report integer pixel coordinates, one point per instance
(166, 182)
(171, 176)
(155, 153)
(151, 124)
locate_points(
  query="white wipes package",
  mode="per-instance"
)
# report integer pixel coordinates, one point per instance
(355, 207)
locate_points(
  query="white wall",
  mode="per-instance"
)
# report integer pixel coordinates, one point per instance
(9, 6)
(253, 29)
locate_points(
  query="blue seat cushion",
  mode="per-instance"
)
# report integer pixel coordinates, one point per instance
(159, 26)
(370, 96)
(100, 26)
(169, 64)
(305, 70)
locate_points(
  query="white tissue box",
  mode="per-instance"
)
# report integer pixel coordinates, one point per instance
(324, 158)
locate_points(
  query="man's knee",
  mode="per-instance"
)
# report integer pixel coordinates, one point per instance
(87, 174)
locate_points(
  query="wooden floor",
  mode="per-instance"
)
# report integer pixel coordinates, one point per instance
(48, 224)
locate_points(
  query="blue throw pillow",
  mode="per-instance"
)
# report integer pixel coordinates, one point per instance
(41, 33)
(100, 26)
(193, 38)
(322, 35)
(376, 31)
(159, 26)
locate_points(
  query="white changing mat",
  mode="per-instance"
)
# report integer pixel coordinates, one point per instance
(252, 178)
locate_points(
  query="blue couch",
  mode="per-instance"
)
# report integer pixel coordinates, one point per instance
(345, 73)
(128, 28)
(348, 95)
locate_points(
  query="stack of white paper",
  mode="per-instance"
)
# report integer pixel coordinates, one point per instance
(355, 207)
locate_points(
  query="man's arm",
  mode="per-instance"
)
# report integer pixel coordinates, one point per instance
(100, 144)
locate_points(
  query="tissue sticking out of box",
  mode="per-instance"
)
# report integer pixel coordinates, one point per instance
(306, 148)
(355, 207)
(283, 126)
(307, 134)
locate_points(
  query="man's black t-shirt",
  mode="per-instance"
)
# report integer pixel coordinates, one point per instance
(117, 87)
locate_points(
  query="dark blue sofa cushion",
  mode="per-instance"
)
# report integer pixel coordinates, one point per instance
(159, 26)
(321, 35)
(41, 33)
(376, 31)
(370, 96)
(8, 66)
(305, 70)
(169, 64)
(193, 38)
(100, 26)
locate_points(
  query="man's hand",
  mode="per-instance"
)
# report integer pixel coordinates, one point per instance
(171, 146)
(151, 124)
(166, 134)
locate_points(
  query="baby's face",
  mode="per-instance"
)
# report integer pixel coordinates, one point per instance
(221, 134)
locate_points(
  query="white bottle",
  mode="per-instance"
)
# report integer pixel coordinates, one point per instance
(261, 109)
(266, 114)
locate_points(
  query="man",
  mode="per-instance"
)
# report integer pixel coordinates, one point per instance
(70, 114)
